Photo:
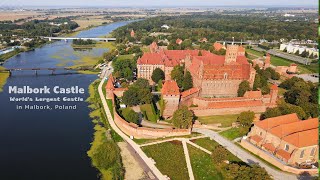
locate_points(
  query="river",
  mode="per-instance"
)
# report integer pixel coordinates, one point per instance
(48, 144)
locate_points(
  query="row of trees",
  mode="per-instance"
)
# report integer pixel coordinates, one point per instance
(138, 93)
(301, 97)
(82, 42)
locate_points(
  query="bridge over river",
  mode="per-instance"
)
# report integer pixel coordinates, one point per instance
(83, 38)
(10, 70)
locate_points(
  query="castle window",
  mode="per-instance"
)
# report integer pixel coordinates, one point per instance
(225, 76)
(286, 147)
(301, 154)
(313, 150)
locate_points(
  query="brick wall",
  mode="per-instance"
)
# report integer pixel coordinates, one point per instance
(224, 111)
(144, 132)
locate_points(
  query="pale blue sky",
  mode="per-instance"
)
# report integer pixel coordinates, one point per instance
(281, 3)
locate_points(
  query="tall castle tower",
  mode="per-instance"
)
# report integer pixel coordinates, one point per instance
(231, 53)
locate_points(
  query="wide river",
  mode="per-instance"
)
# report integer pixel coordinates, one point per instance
(48, 144)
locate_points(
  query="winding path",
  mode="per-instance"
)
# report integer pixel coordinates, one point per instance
(245, 156)
(136, 147)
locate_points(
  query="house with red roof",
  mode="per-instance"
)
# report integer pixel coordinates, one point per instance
(287, 138)
(179, 41)
(217, 46)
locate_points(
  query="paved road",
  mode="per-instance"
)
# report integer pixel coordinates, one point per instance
(135, 146)
(245, 156)
(146, 123)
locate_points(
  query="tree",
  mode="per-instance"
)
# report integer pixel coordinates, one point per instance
(141, 83)
(182, 118)
(130, 116)
(145, 96)
(187, 81)
(271, 112)
(157, 75)
(245, 172)
(246, 118)
(105, 155)
(131, 97)
(177, 75)
(160, 85)
(244, 86)
(219, 154)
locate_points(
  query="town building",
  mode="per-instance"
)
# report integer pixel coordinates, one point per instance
(217, 46)
(132, 33)
(287, 138)
(179, 41)
(214, 75)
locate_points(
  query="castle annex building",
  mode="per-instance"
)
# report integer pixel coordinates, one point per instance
(214, 75)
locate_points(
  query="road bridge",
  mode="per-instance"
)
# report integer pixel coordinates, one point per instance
(83, 38)
(10, 70)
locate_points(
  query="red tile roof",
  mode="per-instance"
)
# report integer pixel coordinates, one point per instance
(189, 92)
(217, 46)
(284, 154)
(256, 138)
(170, 88)
(253, 94)
(274, 87)
(291, 128)
(234, 104)
(110, 82)
(179, 41)
(269, 146)
(267, 60)
(277, 121)
(241, 49)
(303, 138)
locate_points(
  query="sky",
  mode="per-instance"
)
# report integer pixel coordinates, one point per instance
(150, 3)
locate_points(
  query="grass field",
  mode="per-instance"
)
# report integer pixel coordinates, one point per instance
(225, 120)
(202, 165)
(3, 79)
(210, 145)
(257, 53)
(232, 133)
(149, 112)
(169, 158)
(123, 57)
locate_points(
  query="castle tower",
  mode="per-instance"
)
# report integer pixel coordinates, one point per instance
(252, 76)
(273, 94)
(267, 62)
(231, 53)
(154, 47)
(171, 96)
(109, 87)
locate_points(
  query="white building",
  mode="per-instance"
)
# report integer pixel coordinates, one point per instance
(292, 49)
(165, 26)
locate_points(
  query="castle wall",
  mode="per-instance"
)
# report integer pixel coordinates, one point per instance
(224, 111)
(171, 104)
(219, 88)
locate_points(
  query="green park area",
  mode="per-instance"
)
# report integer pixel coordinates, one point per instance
(149, 112)
(169, 158)
(3, 78)
(233, 133)
(225, 120)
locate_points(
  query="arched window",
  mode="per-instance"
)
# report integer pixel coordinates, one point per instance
(225, 76)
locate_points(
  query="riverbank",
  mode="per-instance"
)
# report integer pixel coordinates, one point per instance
(3, 78)
(104, 152)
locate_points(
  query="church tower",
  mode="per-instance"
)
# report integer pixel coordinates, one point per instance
(231, 53)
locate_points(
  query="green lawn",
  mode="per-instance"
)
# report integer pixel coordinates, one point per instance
(225, 120)
(169, 158)
(3, 78)
(257, 53)
(123, 57)
(232, 133)
(110, 106)
(149, 111)
(210, 145)
(202, 165)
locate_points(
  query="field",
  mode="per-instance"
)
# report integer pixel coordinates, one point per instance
(3, 78)
(123, 57)
(202, 165)
(169, 158)
(232, 133)
(225, 120)
(90, 21)
(149, 111)
(211, 145)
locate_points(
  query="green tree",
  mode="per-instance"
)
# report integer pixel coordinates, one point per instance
(187, 81)
(178, 75)
(105, 155)
(145, 96)
(246, 118)
(271, 112)
(182, 118)
(219, 154)
(244, 86)
(131, 97)
(130, 116)
(157, 75)
(160, 85)
(141, 83)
